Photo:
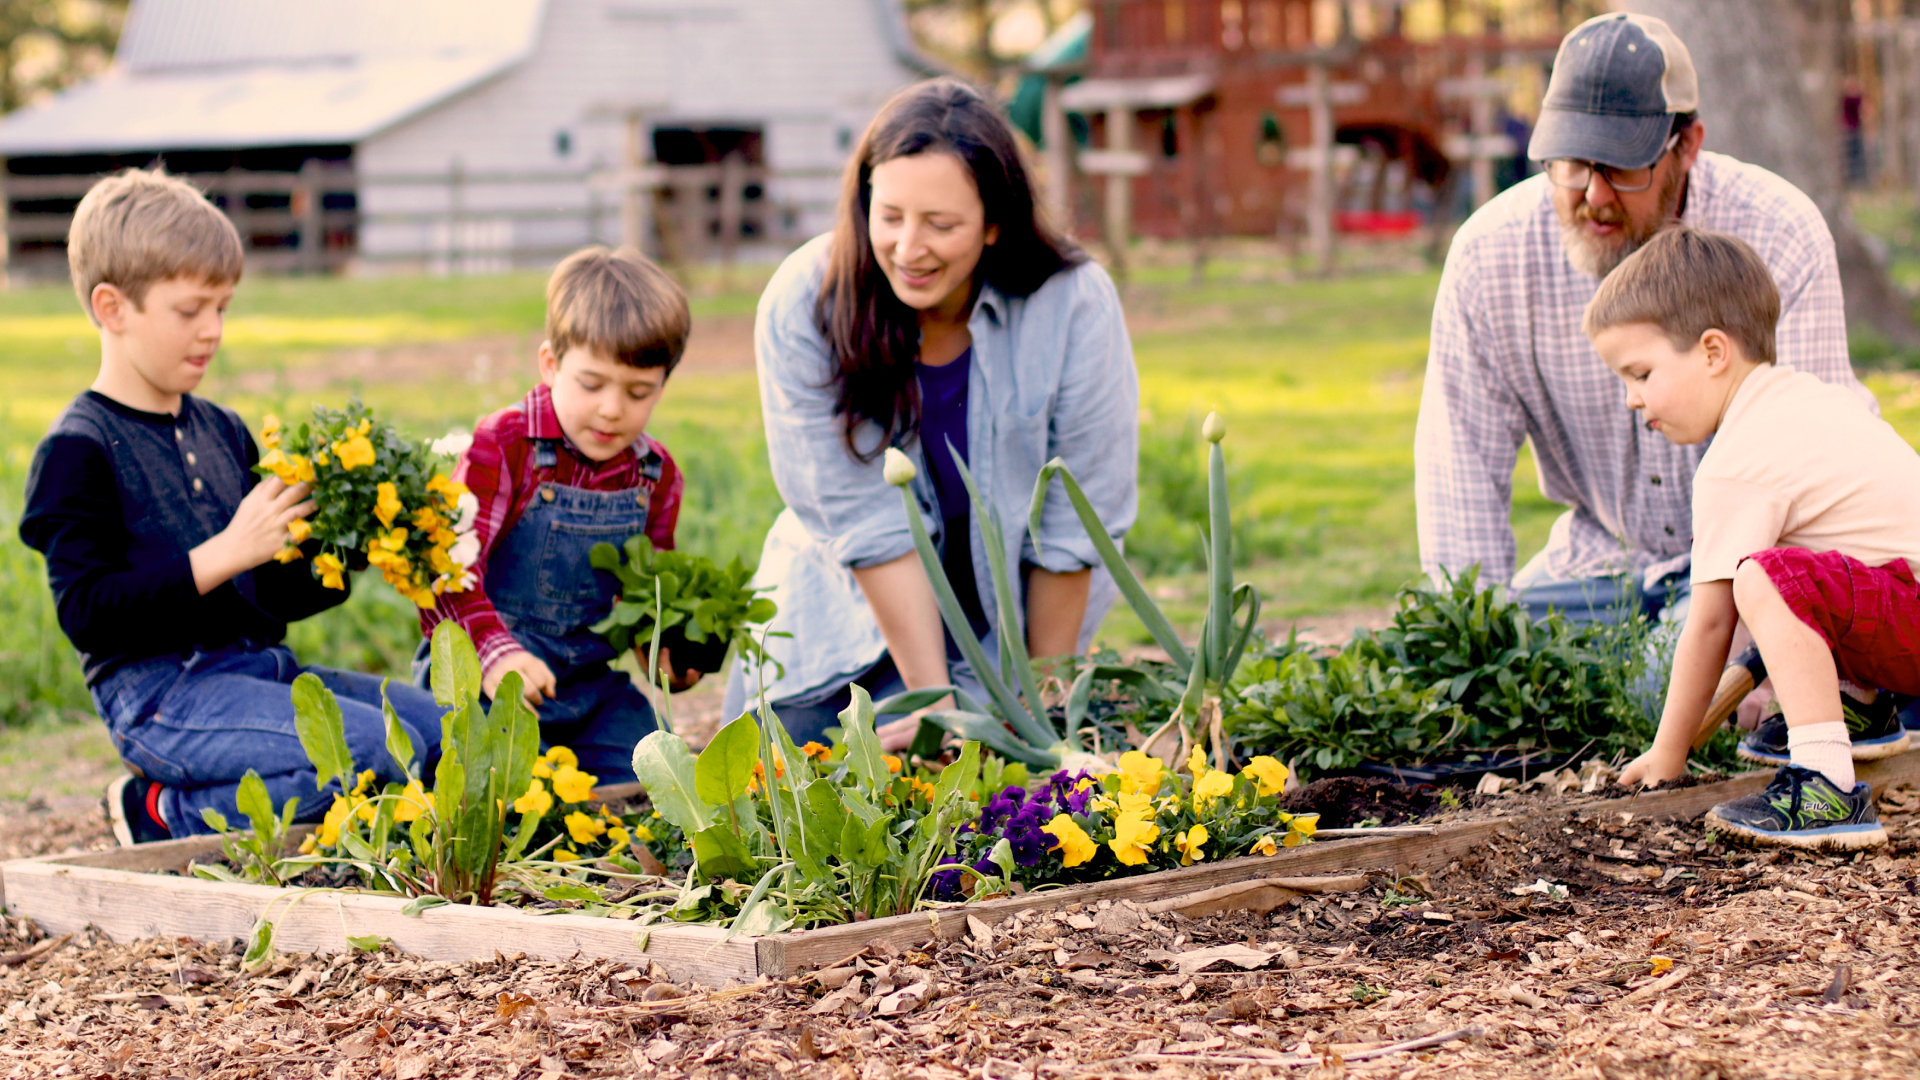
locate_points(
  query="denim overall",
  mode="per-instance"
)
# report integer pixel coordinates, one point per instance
(548, 594)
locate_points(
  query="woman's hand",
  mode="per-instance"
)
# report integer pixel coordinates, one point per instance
(537, 677)
(257, 531)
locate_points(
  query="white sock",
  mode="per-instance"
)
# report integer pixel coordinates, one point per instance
(1826, 749)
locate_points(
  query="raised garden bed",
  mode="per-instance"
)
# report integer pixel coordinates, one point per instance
(126, 894)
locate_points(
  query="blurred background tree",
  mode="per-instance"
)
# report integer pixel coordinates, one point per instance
(983, 38)
(46, 45)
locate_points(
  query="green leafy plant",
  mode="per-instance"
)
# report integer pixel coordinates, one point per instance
(1461, 668)
(259, 852)
(1016, 721)
(674, 597)
(809, 840)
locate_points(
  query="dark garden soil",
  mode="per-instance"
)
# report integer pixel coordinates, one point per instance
(1345, 801)
(1637, 949)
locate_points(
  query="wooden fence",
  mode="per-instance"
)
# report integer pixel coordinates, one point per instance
(329, 216)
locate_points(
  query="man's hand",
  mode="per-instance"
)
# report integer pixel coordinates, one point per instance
(257, 531)
(534, 673)
(1655, 766)
(677, 682)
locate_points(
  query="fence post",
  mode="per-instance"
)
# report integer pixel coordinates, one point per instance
(733, 196)
(456, 197)
(308, 204)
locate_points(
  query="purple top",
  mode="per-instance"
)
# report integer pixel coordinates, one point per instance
(943, 422)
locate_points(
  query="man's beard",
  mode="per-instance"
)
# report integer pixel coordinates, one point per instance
(1597, 256)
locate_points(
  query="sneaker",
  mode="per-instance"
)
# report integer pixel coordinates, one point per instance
(1876, 729)
(133, 806)
(1802, 808)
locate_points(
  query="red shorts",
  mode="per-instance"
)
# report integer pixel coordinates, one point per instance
(1868, 615)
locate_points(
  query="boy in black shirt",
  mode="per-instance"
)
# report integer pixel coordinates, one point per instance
(159, 540)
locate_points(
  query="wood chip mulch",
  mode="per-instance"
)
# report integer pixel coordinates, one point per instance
(1651, 950)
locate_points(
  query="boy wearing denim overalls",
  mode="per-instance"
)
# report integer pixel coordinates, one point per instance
(568, 467)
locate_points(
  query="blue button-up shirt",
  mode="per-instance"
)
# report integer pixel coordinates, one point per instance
(1052, 376)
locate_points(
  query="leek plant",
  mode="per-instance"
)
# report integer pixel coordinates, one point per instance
(1016, 722)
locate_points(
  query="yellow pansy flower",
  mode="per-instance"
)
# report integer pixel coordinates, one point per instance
(1132, 836)
(446, 488)
(1210, 787)
(1189, 843)
(337, 815)
(277, 463)
(643, 834)
(331, 570)
(270, 431)
(300, 529)
(310, 844)
(582, 828)
(537, 801)
(413, 803)
(387, 505)
(1263, 846)
(354, 452)
(815, 750)
(1140, 772)
(1305, 824)
(1271, 775)
(288, 554)
(617, 837)
(571, 785)
(1103, 804)
(302, 469)
(428, 520)
(364, 781)
(1197, 763)
(560, 755)
(565, 855)
(893, 763)
(1136, 803)
(1073, 843)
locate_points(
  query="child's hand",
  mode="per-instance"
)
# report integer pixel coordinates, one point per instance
(257, 531)
(539, 684)
(1655, 766)
(676, 683)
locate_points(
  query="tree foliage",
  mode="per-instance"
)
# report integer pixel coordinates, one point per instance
(46, 45)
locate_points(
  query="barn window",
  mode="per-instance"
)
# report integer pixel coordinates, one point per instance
(1170, 135)
(562, 143)
(1230, 33)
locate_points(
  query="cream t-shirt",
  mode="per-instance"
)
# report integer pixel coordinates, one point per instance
(1800, 463)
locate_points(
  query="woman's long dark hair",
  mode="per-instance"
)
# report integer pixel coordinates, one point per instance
(874, 337)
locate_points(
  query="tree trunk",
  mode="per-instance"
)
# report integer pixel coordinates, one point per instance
(1745, 52)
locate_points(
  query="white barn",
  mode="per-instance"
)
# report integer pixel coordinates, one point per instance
(471, 134)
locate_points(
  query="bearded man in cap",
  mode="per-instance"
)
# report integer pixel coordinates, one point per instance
(1621, 149)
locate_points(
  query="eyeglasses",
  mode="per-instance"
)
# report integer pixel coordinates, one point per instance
(1576, 175)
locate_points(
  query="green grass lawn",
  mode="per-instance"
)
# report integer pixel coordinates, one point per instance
(1319, 382)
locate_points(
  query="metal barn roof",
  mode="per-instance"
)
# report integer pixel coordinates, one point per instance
(210, 74)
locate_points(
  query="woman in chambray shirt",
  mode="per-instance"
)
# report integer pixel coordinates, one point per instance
(941, 315)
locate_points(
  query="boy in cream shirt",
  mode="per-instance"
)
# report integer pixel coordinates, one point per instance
(1806, 512)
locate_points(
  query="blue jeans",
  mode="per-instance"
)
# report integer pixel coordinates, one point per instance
(1612, 599)
(196, 727)
(810, 722)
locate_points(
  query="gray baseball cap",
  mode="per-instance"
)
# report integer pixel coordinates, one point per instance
(1617, 83)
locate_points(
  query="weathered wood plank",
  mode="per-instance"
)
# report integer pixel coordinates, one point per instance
(786, 954)
(126, 904)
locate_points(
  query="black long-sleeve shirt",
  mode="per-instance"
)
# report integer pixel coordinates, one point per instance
(117, 498)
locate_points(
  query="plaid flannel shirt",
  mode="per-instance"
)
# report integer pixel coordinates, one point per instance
(499, 468)
(1508, 363)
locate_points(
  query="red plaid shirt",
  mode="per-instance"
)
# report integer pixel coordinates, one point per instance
(499, 469)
